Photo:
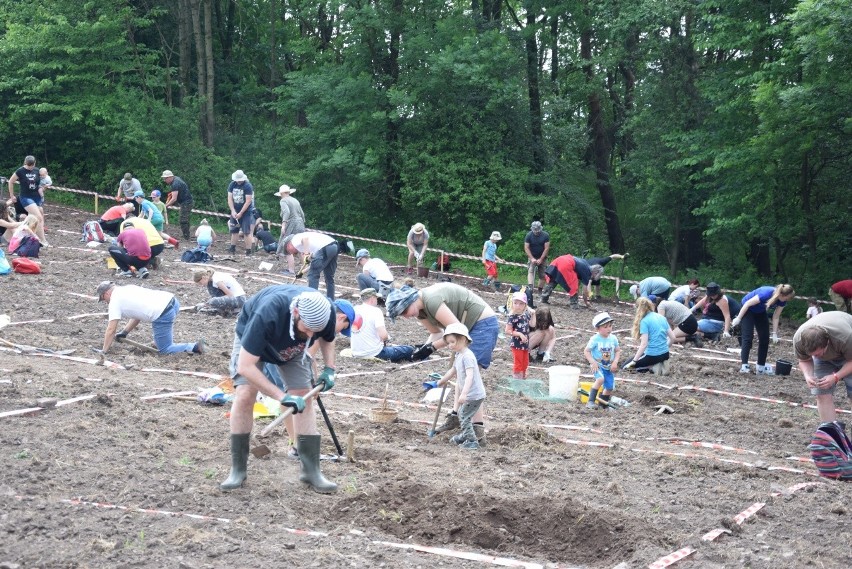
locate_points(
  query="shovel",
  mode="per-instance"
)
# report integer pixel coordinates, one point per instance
(620, 276)
(137, 344)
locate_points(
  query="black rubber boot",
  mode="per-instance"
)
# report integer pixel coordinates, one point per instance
(309, 454)
(545, 294)
(575, 301)
(239, 459)
(232, 249)
(450, 424)
(593, 396)
(480, 434)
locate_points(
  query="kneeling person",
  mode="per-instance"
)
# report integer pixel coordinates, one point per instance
(369, 334)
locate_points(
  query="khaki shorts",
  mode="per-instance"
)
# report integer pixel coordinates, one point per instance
(296, 373)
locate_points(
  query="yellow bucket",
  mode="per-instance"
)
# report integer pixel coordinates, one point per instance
(587, 387)
(111, 263)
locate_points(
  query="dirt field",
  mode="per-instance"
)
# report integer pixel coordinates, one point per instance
(117, 481)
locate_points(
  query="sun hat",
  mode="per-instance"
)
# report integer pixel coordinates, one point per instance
(399, 300)
(156, 194)
(128, 176)
(597, 272)
(495, 236)
(239, 176)
(346, 308)
(103, 287)
(314, 310)
(536, 226)
(284, 189)
(634, 291)
(138, 194)
(361, 254)
(600, 319)
(418, 228)
(521, 296)
(369, 293)
(457, 328)
(167, 174)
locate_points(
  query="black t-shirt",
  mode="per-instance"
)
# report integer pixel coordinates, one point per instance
(182, 190)
(29, 182)
(265, 237)
(264, 325)
(537, 241)
(602, 261)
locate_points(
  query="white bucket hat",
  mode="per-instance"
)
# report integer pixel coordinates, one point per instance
(239, 176)
(284, 189)
(495, 236)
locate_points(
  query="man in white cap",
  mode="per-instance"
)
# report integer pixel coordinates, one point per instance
(240, 202)
(283, 325)
(374, 274)
(292, 222)
(179, 194)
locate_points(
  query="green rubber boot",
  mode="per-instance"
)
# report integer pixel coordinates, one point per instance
(239, 459)
(309, 453)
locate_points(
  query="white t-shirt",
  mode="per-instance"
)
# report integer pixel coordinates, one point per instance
(310, 241)
(466, 360)
(378, 269)
(365, 340)
(680, 294)
(144, 304)
(229, 281)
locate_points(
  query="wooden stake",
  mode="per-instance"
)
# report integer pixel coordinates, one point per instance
(350, 447)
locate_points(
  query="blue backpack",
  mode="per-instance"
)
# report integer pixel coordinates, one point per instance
(197, 255)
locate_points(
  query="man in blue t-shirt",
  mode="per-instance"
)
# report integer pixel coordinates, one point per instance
(284, 325)
(240, 202)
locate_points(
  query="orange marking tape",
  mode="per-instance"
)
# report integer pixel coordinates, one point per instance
(671, 558)
(469, 555)
(748, 512)
(368, 398)
(799, 458)
(19, 412)
(714, 446)
(572, 428)
(712, 535)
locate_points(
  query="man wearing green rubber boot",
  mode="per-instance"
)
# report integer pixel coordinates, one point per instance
(284, 325)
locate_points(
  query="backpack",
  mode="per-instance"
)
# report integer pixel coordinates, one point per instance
(197, 255)
(831, 451)
(92, 231)
(27, 246)
(527, 290)
(5, 267)
(26, 266)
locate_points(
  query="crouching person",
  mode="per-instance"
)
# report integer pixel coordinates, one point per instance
(227, 296)
(283, 325)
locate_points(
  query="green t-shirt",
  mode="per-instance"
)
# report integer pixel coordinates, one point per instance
(457, 298)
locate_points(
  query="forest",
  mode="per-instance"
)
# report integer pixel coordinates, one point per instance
(707, 138)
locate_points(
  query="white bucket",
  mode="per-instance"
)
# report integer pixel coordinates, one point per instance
(564, 381)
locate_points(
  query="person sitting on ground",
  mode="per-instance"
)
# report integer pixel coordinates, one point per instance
(602, 352)
(138, 304)
(204, 235)
(680, 318)
(687, 294)
(518, 325)
(470, 390)
(717, 309)
(147, 210)
(112, 218)
(658, 286)
(597, 264)
(417, 242)
(25, 241)
(227, 296)
(370, 336)
(823, 346)
(654, 335)
(262, 234)
(753, 316)
(813, 308)
(323, 251)
(131, 251)
(840, 294)
(572, 273)
(8, 225)
(374, 274)
(155, 240)
(543, 335)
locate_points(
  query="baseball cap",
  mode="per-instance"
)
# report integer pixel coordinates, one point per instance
(346, 308)
(362, 253)
(521, 296)
(156, 194)
(713, 289)
(103, 287)
(600, 319)
(138, 194)
(128, 176)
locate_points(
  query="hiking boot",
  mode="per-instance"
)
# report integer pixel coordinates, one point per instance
(142, 273)
(745, 368)
(450, 424)
(249, 252)
(696, 340)
(660, 368)
(539, 356)
(479, 430)
(575, 301)
(232, 249)
(200, 347)
(591, 405)
(470, 445)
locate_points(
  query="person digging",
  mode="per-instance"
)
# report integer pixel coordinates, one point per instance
(284, 325)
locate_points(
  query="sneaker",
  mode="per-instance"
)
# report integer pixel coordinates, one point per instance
(127, 274)
(470, 445)
(765, 370)
(200, 347)
(142, 273)
(745, 368)
(539, 356)
(547, 358)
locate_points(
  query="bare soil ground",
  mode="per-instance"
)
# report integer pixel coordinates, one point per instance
(117, 481)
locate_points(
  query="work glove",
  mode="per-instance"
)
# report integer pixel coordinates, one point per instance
(295, 402)
(629, 365)
(121, 335)
(423, 352)
(774, 338)
(327, 378)
(726, 334)
(735, 322)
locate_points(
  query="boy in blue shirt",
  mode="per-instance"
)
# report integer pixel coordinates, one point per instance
(602, 352)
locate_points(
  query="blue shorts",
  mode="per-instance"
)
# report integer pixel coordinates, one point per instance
(241, 225)
(708, 326)
(484, 338)
(26, 202)
(608, 378)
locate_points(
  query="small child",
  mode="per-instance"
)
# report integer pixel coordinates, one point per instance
(602, 353)
(470, 390)
(204, 235)
(44, 181)
(518, 328)
(155, 199)
(813, 308)
(25, 242)
(490, 259)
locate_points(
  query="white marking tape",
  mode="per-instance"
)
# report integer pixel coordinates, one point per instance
(469, 555)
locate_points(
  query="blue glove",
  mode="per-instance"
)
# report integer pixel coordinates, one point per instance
(327, 378)
(294, 401)
(427, 385)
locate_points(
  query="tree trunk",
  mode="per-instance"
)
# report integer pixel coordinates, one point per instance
(534, 96)
(807, 211)
(210, 83)
(184, 47)
(200, 80)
